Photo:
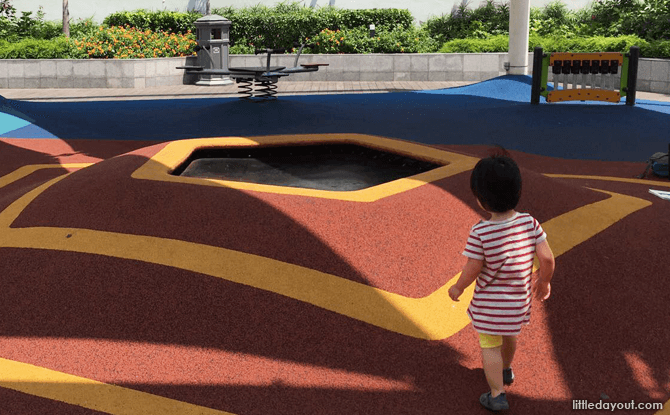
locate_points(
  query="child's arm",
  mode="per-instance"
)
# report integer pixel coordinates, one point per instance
(542, 287)
(469, 274)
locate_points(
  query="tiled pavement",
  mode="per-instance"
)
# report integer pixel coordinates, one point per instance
(194, 91)
(283, 88)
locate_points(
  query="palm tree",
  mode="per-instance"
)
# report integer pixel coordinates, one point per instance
(66, 19)
(207, 8)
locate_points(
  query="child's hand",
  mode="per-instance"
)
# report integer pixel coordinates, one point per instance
(541, 290)
(455, 292)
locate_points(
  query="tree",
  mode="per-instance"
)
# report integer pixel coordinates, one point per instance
(66, 19)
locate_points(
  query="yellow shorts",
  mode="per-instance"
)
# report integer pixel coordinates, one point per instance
(488, 341)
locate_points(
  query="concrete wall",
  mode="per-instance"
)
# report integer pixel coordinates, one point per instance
(653, 74)
(93, 73)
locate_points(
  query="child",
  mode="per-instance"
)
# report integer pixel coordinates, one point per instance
(500, 255)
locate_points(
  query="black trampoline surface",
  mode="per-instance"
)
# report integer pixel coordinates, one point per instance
(334, 167)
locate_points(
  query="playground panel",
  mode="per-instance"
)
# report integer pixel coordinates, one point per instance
(585, 76)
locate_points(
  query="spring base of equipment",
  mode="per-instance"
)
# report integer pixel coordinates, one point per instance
(266, 89)
(245, 88)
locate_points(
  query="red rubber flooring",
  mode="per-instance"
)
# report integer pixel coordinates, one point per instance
(230, 347)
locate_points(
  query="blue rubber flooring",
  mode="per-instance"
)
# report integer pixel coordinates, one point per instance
(497, 111)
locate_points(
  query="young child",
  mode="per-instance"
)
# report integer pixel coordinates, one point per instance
(500, 255)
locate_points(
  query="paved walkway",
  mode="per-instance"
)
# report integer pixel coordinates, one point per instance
(283, 88)
(194, 91)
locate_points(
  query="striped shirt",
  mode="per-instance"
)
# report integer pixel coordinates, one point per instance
(502, 299)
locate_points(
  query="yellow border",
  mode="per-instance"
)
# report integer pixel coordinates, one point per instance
(609, 179)
(175, 153)
(91, 394)
(580, 94)
(24, 171)
(432, 317)
(562, 56)
(416, 317)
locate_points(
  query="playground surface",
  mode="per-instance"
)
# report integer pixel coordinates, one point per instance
(127, 290)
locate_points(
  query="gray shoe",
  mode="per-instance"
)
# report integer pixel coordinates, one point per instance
(508, 376)
(499, 403)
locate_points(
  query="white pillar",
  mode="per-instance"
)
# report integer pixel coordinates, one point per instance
(519, 26)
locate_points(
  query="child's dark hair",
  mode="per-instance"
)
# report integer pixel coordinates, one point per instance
(496, 182)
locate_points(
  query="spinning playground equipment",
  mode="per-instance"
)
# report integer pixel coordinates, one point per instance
(264, 77)
(585, 76)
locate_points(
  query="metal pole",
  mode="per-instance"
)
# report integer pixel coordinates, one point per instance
(537, 75)
(634, 57)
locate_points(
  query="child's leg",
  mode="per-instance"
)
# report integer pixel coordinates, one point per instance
(507, 350)
(493, 367)
(493, 362)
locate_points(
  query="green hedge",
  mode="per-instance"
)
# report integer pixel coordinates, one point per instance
(350, 41)
(599, 27)
(59, 48)
(655, 49)
(286, 23)
(262, 26)
(386, 40)
(166, 21)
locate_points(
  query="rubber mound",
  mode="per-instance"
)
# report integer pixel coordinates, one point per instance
(10, 123)
(496, 111)
(103, 314)
(191, 298)
(510, 88)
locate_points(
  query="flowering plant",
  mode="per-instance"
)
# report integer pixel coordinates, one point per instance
(127, 43)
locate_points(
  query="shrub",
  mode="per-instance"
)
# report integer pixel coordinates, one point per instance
(613, 17)
(655, 49)
(127, 43)
(550, 44)
(493, 17)
(554, 19)
(492, 44)
(59, 48)
(83, 28)
(286, 23)
(489, 19)
(386, 40)
(14, 28)
(155, 21)
(588, 44)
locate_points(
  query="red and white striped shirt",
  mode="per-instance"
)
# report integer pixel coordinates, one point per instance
(502, 298)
